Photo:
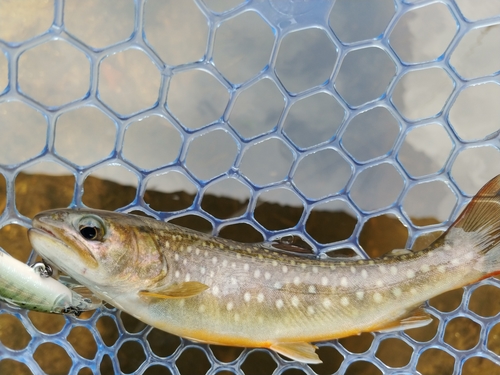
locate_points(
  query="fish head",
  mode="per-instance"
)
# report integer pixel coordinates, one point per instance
(98, 248)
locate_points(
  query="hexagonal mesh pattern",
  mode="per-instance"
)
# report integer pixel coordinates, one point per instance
(386, 111)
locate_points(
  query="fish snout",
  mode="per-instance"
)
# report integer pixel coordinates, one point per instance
(49, 218)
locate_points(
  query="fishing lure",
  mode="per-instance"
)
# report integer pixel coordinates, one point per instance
(218, 291)
(32, 288)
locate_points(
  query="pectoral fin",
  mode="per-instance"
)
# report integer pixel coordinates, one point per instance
(298, 351)
(181, 290)
(416, 319)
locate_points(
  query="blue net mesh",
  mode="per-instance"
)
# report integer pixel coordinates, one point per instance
(368, 108)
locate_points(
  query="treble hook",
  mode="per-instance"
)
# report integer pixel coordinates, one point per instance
(43, 269)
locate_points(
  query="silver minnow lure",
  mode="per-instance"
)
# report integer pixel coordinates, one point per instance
(223, 292)
(29, 288)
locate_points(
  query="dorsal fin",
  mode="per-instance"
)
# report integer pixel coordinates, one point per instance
(292, 243)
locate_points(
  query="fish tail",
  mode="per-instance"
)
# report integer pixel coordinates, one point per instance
(481, 221)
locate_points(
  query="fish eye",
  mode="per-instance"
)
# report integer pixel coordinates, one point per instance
(91, 228)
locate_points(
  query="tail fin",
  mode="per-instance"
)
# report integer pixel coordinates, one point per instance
(482, 217)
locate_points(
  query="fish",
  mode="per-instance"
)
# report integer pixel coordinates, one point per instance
(217, 291)
(32, 288)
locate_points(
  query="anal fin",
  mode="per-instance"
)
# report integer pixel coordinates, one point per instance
(416, 319)
(298, 351)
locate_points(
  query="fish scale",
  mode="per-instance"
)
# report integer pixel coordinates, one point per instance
(219, 291)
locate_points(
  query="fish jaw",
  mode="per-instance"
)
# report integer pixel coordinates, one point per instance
(50, 236)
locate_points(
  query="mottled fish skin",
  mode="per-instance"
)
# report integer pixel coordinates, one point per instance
(219, 291)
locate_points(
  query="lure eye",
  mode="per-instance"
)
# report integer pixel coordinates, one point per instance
(91, 229)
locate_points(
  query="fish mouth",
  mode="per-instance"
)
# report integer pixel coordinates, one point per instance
(49, 237)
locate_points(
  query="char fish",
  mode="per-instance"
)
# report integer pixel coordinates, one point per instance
(218, 291)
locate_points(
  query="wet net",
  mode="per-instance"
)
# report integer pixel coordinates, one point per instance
(384, 113)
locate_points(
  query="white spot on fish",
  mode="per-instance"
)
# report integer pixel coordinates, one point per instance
(382, 269)
(177, 274)
(343, 282)
(327, 303)
(197, 252)
(425, 268)
(371, 262)
(267, 275)
(292, 262)
(188, 277)
(224, 263)
(344, 301)
(277, 285)
(189, 249)
(260, 298)
(236, 317)
(279, 303)
(256, 274)
(212, 273)
(274, 263)
(176, 257)
(410, 274)
(447, 247)
(311, 289)
(324, 281)
(455, 261)
(360, 294)
(397, 292)
(205, 254)
(184, 261)
(214, 261)
(246, 267)
(234, 281)
(332, 267)
(377, 297)
(201, 308)
(310, 310)
(394, 270)
(296, 280)
(379, 283)
(284, 269)
(364, 274)
(295, 301)
(413, 291)
(353, 269)
(215, 290)
(303, 266)
(202, 270)
(229, 306)
(238, 256)
(167, 244)
(233, 265)
(247, 297)
(315, 269)
(182, 302)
